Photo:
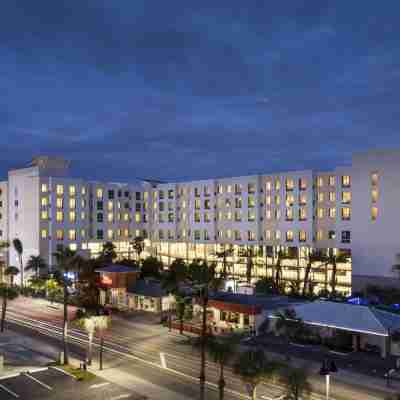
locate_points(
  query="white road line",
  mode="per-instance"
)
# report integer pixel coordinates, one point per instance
(9, 391)
(121, 396)
(37, 381)
(64, 372)
(99, 385)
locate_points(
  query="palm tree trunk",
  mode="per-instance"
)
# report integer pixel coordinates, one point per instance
(90, 347)
(65, 327)
(3, 313)
(22, 271)
(203, 350)
(334, 271)
(306, 278)
(221, 382)
(101, 351)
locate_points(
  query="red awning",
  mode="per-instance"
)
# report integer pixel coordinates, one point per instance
(233, 307)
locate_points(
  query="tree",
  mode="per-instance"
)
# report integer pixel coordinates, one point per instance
(222, 255)
(253, 367)
(288, 323)
(181, 302)
(176, 275)
(297, 385)
(203, 279)
(7, 292)
(67, 261)
(35, 264)
(151, 267)
(3, 245)
(312, 258)
(92, 324)
(249, 254)
(222, 350)
(334, 259)
(108, 253)
(18, 247)
(88, 284)
(138, 246)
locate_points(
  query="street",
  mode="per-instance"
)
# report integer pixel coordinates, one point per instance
(133, 346)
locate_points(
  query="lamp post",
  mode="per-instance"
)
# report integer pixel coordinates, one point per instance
(327, 368)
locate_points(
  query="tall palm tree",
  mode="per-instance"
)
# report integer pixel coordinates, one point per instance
(36, 264)
(312, 258)
(222, 350)
(138, 246)
(249, 254)
(19, 248)
(253, 367)
(108, 252)
(7, 292)
(204, 279)
(67, 261)
(334, 259)
(223, 255)
(296, 383)
(3, 245)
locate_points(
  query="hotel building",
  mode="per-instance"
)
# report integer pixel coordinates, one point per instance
(351, 212)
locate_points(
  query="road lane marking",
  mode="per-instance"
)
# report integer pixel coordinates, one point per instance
(37, 381)
(99, 385)
(9, 391)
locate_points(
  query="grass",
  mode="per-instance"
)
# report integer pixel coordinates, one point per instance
(79, 374)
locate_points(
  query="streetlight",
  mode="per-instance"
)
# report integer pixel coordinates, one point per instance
(327, 368)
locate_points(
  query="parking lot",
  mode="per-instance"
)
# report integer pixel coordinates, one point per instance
(52, 383)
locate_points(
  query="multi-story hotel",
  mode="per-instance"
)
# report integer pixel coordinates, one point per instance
(351, 213)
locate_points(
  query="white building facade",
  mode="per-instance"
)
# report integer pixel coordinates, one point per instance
(351, 212)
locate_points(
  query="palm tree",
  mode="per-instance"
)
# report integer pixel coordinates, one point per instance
(3, 245)
(334, 259)
(108, 253)
(248, 253)
(67, 261)
(204, 279)
(253, 367)
(7, 292)
(297, 385)
(222, 350)
(19, 248)
(312, 258)
(180, 302)
(222, 255)
(36, 264)
(138, 246)
(151, 267)
(278, 269)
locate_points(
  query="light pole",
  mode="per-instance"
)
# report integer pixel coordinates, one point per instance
(327, 368)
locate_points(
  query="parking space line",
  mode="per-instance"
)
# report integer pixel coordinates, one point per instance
(64, 372)
(37, 381)
(9, 391)
(99, 385)
(121, 396)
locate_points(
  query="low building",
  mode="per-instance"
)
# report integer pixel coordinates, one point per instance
(114, 281)
(367, 326)
(148, 295)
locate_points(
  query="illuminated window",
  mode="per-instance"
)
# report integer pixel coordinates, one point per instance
(206, 217)
(45, 215)
(220, 189)
(302, 184)
(289, 184)
(332, 197)
(59, 216)
(228, 215)
(229, 234)
(302, 214)
(238, 202)
(45, 188)
(60, 190)
(251, 187)
(374, 179)
(72, 203)
(268, 214)
(268, 235)
(332, 180)
(332, 212)
(332, 235)
(237, 235)
(45, 201)
(44, 233)
(320, 197)
(83, 191)
(72, 190)
(138, 218)
(126, 232)
(303, 199)
(320, 213)
(251, 236)
(251, 201)
(60, 202)
(346, 213)
(59, 234)
(346, 182)
(83, 215)
(289, 236)
(197, 216)
(99, 193)
(277, 200)
(251, 216)
(229, 189)
(346, 197)
(83, 233)
(374, 213)
(277, 214)
(268, 186)
(72, 234)
(277, 235)
(277, 184)
(72, 216)
(320, 235)
(320, 181)
(302, 236)
(110, 234)
(238, 216)
(110, 217)
(110, 205)
(238, 188)
(289, 199)
(289, 214)
(207, 204)
(126, 217)
(268, 200)
(374, 195)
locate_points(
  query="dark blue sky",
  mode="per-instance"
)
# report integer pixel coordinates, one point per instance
(187, 89)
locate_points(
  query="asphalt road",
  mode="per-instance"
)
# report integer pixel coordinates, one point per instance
(134, 345)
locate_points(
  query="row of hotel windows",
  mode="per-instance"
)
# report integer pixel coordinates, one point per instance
(111, 217)
(72, 190)
(251, 236)
(72, 234)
